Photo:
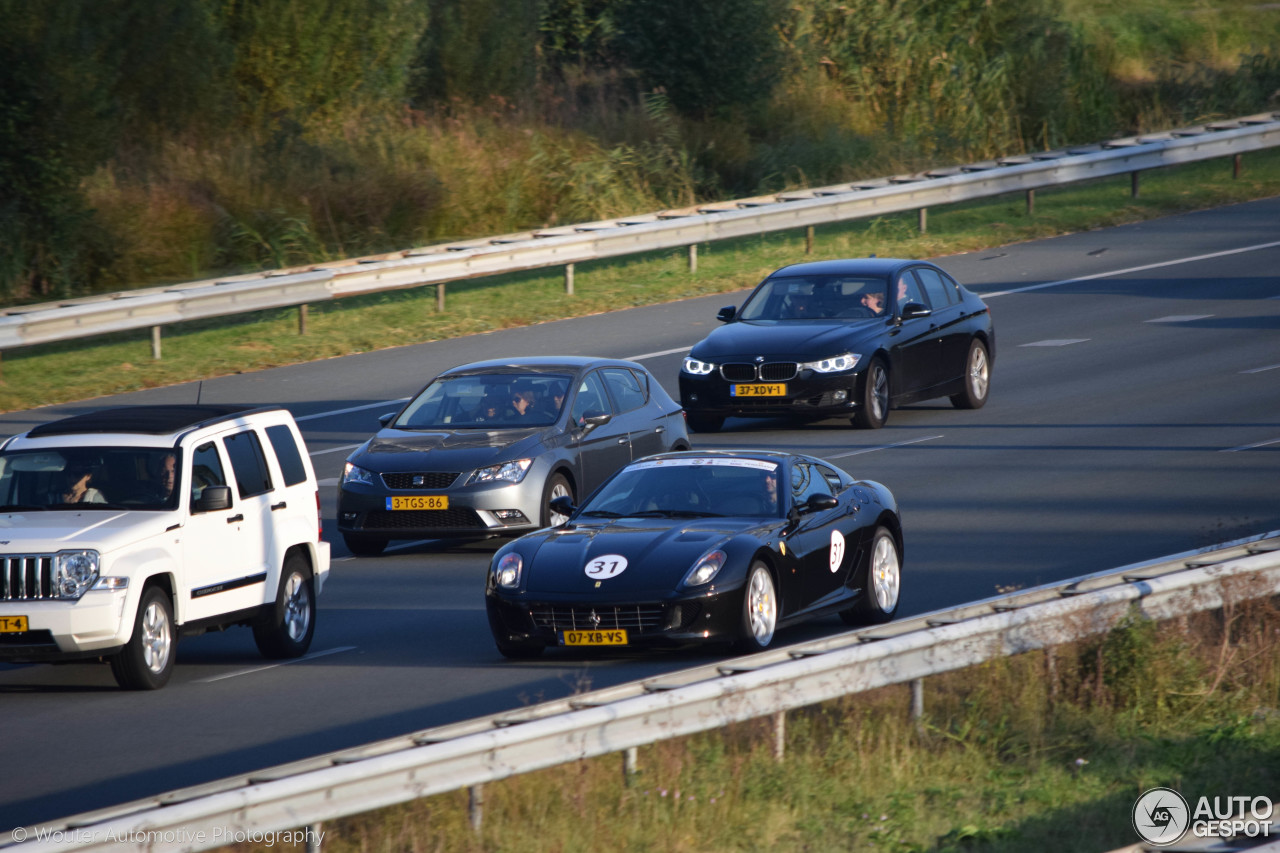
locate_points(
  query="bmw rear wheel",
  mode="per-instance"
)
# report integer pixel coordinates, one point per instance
(882, 584)
(874, 409)
(977, 378)
(759, 610)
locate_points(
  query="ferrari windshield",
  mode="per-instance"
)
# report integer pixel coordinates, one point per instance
(817, 297)
(487, 401)
(86, 478)
(689, 487)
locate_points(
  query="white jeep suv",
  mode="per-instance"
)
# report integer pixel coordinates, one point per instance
(122, 529)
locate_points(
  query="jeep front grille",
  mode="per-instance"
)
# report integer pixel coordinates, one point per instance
(26, 577)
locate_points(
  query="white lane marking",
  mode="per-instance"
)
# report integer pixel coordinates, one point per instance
(335, 449)
(328, 481)
(1056, 342)
(318, 415)
(1143, 268)
(656, 354)
(1250, 446)
(1261, 369)
(884, 447)
(311, 656)
(1179, 318)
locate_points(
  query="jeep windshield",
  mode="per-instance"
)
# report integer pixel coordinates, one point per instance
(486, 401)
(87, 478)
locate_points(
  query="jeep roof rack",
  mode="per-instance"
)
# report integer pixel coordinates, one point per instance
(148, 420)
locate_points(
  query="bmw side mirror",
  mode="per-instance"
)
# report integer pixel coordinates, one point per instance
(820, 502)
(915, 309)
(727, 313)
(212, 498)
(386, 419)
(562, 505)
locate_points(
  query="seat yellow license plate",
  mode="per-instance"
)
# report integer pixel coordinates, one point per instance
(595, 638)
(13, 625)
(418, 502)
(777, 389)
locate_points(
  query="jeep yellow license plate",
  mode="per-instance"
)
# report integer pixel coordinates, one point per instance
(777, 389)
(594, 638)
(419, 502)
(13, 624)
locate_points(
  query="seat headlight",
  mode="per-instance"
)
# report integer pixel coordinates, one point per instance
(705, 569)
(697, 368)
(834, 364)
(356, 474)
(507, 472)
(507, 572)
(74, 572)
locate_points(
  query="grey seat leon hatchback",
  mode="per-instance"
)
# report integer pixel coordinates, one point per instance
(484, 448)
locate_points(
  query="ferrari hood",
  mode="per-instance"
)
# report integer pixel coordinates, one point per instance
(793, 341)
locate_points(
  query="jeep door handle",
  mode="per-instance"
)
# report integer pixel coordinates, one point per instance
(237, 517)
(280, 505)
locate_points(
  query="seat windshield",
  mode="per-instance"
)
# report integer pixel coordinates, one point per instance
(88, 478)
(822, 298)
(690, 488)
(487, 401)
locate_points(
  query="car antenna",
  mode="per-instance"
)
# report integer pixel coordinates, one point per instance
(199, 389)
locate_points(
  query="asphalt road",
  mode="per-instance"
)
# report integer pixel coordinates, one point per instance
(1135, 412)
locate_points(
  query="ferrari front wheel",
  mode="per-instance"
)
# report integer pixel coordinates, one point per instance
(759, 610)
(882, 584)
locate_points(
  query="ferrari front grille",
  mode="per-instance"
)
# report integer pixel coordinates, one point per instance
(640, 618)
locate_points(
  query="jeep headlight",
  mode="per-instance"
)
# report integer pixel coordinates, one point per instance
(509, 472)
(73, 573)
(356, 474)
(834, 364)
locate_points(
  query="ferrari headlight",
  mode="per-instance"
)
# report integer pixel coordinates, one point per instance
(508, 472)
(73, 573)
(707, 567)
(507, 573)
(697, 368)
(835, 364)
(356, 474)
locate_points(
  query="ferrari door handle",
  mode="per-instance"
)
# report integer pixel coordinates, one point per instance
(280, 505)
(237, 517)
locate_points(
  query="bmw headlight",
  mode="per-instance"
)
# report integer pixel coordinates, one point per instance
(835, 364)
(73, 573)
(356, 474)
(697, 368)
(706, 568)
(507, 472)
(507, 572)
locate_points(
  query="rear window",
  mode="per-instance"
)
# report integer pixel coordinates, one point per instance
(287, 454)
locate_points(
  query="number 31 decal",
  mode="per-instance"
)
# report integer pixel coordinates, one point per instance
(837, 550)
(606, 566)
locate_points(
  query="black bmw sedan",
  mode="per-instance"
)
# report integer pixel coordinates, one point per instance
(849, 337)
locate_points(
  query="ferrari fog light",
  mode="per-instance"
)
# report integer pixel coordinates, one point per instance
(507, 573)
(674, 617)
(706, 568)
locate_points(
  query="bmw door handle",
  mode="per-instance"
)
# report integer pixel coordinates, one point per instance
(237, 517)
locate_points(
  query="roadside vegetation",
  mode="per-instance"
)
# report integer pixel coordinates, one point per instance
(1034, 752)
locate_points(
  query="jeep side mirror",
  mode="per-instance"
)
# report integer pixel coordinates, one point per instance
(212, 498)
(727, 313)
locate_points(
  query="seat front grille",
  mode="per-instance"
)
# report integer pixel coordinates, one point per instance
(420, 479)
(381, 519)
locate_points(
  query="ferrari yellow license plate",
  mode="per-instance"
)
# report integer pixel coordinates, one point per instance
(419, 502)
(777, 389)
(13, 624)
(595, 638)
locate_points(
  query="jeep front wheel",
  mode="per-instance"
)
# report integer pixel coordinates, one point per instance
(146, 661)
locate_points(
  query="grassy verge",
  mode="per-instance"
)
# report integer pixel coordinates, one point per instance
(55, 373)
(1033, 752)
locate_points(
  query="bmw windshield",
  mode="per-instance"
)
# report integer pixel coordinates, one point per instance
(817, 297)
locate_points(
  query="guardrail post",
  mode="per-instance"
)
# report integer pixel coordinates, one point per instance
(568, 279)
(1051, 673)
(1133, 184)
(1031, 202)
(808, 240)
(475, 806)
(780, 735)
(917, 703)
(155, 343)
(1235, 166)
(315, 835)
(302, 319)
(693, 257)
(923, 219)
(629, 769)
(440, 297)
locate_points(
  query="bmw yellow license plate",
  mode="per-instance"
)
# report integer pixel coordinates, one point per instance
(777, 389)
(13, 624)
(418, 502)
(594, 638)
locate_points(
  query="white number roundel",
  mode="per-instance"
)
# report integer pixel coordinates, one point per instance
(837, 550)
(605, 566)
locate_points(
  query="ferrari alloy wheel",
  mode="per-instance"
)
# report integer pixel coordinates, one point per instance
(977, 378)
(759, 609)
(875, 397)
(883, 585)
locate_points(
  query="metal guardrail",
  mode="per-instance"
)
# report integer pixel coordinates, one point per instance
(435, 265)
(473, 752)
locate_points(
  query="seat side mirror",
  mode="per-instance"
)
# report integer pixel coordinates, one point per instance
(593, 418)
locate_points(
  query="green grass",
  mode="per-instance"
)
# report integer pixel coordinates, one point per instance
(57, 373)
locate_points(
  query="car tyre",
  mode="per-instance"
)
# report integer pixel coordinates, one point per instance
(882, 583)
(146, 661)
(977, 378)
(287, 631)
(557, 486)
(364, 546)
(704, 423)
(759, 610)
(874, 409)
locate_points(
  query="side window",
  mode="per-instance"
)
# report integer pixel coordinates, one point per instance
(591, 398)
(908, 290)
(287, 454)
(939, 293)
(805, 481)
(835, 483)
(206, 469)
(624, 386)
(247, 462)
